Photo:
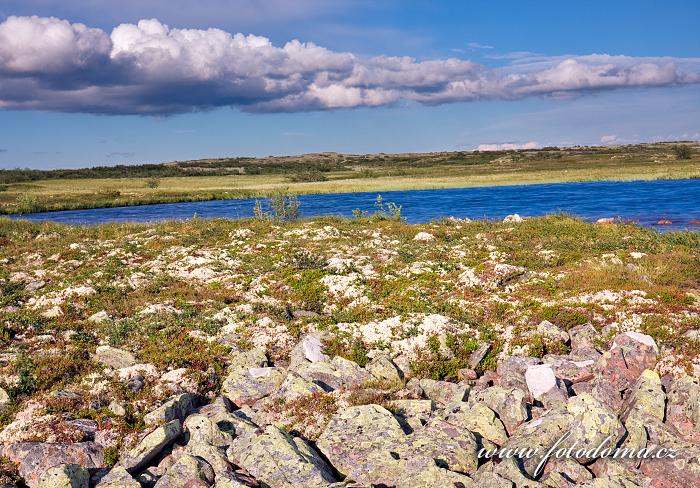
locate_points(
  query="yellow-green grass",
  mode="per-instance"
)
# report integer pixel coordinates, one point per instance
(405, 172)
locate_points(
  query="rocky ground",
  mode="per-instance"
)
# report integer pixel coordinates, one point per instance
(336, 352)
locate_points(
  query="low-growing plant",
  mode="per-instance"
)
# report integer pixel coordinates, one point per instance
(682, 151)
(439, 364)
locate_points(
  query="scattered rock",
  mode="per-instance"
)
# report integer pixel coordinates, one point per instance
(99, 317)
(513, 219)
(150, 446)
(630, 354)
(177, 407)
(424, 237)
(65, 476)
(114, 358)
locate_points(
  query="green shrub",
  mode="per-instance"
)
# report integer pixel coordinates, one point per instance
(682, 151)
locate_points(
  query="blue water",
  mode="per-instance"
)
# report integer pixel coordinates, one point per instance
(645, 202)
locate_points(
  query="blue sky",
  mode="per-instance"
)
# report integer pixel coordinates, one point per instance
(65, 110)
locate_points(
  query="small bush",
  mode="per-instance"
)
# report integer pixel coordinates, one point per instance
(309, 176)
(682, 152)
(152, 183)
(352, 349)
(435, 363)
(284, 207)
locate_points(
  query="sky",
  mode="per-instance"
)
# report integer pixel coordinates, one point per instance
(101, 82)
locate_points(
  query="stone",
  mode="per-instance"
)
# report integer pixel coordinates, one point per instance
(117, 477)
(540, 379)
(35, 458)
(189, 471)
(294, 387)
(214, 456)
(150, 446)
(65, 476)
(203, 429)
(358, 442)
(5, 400)
(112, 357)
(571, 371)
(478, 354)
(646, 397)
(117, 408)
(310, 348)
(477, 418)
(508, 403)
(280, 460)
(630, 354)
(683, 407)
(383, 368)
(511, 371)
(512, 219)
(444, 392)
(565, 472)
(583, 339)
(592, 422)
(245, 386)
(539, 434)
(551, 332)
(339, 373)
(424, 237)
(178, 407)
(415, 413)
(99, 317)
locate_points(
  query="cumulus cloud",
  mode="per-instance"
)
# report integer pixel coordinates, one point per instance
(508, 146)
(609, 139)
(150, 68)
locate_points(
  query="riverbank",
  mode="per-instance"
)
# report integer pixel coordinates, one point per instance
(102, 324)
(337, 173)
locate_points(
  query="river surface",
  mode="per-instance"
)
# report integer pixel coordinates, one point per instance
(644, 202)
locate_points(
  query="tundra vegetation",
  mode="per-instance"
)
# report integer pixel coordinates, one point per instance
(288, 337)
(23, 190)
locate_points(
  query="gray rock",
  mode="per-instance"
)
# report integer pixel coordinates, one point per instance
(646, 397)
(508, 403)
(35, 458)
(99, 317)
(114, 358)
(551, 332)
(383, 368)
(150, 446)
(444, 392)
(630, 354)
(280, 460)
(592, 422)
(477, 418)
(187, 471)
(479, 354)
(65, 476)
(117, 477)
(511, 371)
(414, 413)
(683, 409)
(177, 407)
(247, 385)
(4, 400)
(309, 348)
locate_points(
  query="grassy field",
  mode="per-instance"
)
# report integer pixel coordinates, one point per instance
(32, 191)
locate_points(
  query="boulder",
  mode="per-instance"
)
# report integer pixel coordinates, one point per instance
(117, 477)
(339, 373)
(683, 408)
(35, 458)
(646, 397)
(247, 385)
(5, 400)
(65, 476)
(592, 422)
(511, 371)
(508, 403)
(414, 413)
(150, 446)
(114, 358)
(477, 418)
(551, 332)
(294, 387)
(383, 368)
(99, 317)
(280, 460)
(630, 354)
(478, 354)
(188, 471)
(178, 407)
(359, 441)
(444, 392)
(310, 348)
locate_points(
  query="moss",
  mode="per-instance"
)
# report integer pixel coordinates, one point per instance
(349, 348)
(111, 455)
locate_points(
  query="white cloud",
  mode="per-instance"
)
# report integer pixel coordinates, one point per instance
(508, 146)
(476, 45)
(609, 139)
(150, 68)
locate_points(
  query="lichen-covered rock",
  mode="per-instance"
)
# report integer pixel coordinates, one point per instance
(450, 446)
(477, 418)
(630, 354)
(681, 471)
(444, 392)
(309, 349)
(564, 473)
(294, 386)
(114, 358)
(423, 472)
(540, 434)
(65, 476)
(189, 471)
(511, 371)
(280, 460)
(150, 446)
(646, 397)
(117, 477)
(571, 371)
(508, 403)
(415, 413)
(35, 458)
(4, 400)
(383, 368)
(358, 442)
(339, 373)
(177, 407)
(541, 382)
(683, 408)
(244, 386)
(592, 423)
(551, 332)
